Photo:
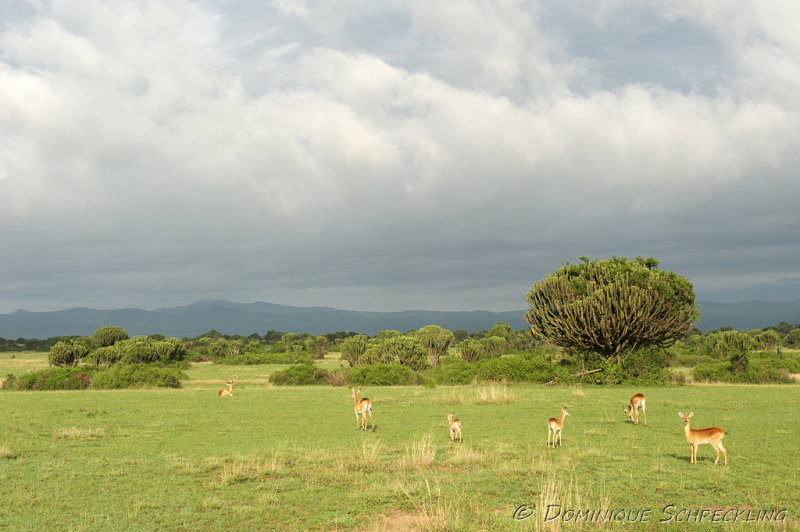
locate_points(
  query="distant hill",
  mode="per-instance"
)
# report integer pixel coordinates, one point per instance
(241, 318)
(745, 315)
(246, 318)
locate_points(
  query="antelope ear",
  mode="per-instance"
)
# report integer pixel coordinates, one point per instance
(680, 414)
(691, 414)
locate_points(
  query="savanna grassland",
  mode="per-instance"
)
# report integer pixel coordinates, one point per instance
(282, 458)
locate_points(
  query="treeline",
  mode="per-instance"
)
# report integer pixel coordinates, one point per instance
(108, 359)
(428, 356)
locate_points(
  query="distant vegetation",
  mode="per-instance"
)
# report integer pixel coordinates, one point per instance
(429, 356)
(614, 321)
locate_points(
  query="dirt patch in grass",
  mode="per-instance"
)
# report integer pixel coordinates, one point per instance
(400, 520)
(74, 433)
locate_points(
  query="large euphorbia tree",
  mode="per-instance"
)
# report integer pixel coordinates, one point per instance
(612, 307)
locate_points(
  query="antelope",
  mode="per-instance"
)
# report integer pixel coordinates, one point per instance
(455, 428)
(363, 408)
(227, 392)
(554, 427)
(636, 402)
(712, 435)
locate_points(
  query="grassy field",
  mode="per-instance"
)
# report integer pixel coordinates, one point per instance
(291, 458)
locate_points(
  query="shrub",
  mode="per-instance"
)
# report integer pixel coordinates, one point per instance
(523, 368)
(138, 376)
(381, 375)
(452, 370)
(646, 366)
(55, 379)
(299, 375)
(283, 357)
(140, 350)
(9, 382)
(760, 371)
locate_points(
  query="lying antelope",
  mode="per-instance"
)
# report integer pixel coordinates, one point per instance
(455, 428)
(636, 403)
(712, 435)
(554, 427)
(363, 408)
(227, 392)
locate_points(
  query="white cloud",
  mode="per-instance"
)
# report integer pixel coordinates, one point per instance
(146, 136)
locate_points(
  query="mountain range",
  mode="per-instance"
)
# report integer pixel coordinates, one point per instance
(241, 318)
(246, 318)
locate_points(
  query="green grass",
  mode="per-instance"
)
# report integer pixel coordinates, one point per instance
(291, 458)
(17, 363)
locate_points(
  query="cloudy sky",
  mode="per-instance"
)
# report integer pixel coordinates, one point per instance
(402, 154)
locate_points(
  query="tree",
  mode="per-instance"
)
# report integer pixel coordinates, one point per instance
(792, 339)
(320, 345)
(109, 335)
(353, 347)
(471, 350)
(733, 345)
(406, 350)
(67, 353)
(493, 345)
(288, 341)
(503, 330)
(611, 307)
(219, 348)
(386, 334)
(435, 340)
(768, 339)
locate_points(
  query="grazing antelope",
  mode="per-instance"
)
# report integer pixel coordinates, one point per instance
(455, 428)
(554, 427)
(227, 392)
(637, 402)
(712, 435)
(363, 408)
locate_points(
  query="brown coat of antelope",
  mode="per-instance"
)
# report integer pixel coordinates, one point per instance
(554, 427)
(636, 403)
(227, 392)
(711, 435)
(455, 428)
(363, 408)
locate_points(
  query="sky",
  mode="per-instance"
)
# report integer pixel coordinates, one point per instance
(393, 155)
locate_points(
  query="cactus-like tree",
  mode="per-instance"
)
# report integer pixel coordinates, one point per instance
(108, 335)
(611, 307)
(435, 340)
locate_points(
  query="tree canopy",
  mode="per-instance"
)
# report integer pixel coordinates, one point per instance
(108, 335)
(612, 307)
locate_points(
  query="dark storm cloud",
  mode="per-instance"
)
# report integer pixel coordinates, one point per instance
(391, 156)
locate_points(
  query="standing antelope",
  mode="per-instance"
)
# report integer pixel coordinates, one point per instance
(637, 402)
(363, 408)
(227, 392)
(455, 428)
(554, 427)
(712, 435)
